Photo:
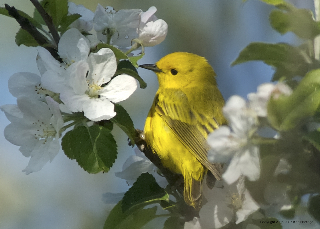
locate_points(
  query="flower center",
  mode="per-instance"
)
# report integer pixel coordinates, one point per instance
(42, 91)
(93, 90)
(43, 131)
(236, 201)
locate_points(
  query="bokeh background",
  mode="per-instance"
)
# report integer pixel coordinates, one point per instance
(62, 195)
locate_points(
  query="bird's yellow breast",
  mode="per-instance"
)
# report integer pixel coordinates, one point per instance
(173, 154)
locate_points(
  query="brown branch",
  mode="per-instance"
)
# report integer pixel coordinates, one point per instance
(48, 20)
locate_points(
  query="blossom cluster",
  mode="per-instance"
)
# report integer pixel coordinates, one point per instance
(82, 86)
(237, 147)
(235, 144)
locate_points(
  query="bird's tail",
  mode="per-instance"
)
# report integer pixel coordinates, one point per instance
(192, 190)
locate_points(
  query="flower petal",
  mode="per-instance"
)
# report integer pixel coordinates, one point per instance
(134, 170)
(215, 213)
(246, 162)
(194, 224)
(46, 61)
(76, 77)
(102, 66)
(85, 22)
(145, 16)
(98, 109)
(71, 52)
(153, 33)
(53, 81)
(56, 120)
(45, 150)
(12, 112)
(249, 206)
(25, 84)
(34, 110)
(20, 136)
(223, 146)
(120, 88)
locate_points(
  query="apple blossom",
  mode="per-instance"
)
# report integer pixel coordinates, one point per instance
(233, 144)
(226, 203)
(116, 27)
(151, 31)
(85, 22)
(137, 164)
(35, 127)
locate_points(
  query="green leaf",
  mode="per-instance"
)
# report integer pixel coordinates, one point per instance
(144, 190)
(289, 214)
(124, 121)
(37, 17)
(24, 38)
(126, 64)
(117, 52)
(94, 147)
(314, 207)
(298, 21)
(134, 218)
(134, 59)
(4, 12)
(288, 60)
(314, 138)
(57, 9)
(126, 67)
(173, 222)
(67, 20)
(287, 112)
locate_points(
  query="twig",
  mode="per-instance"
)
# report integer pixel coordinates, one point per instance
(48, 20)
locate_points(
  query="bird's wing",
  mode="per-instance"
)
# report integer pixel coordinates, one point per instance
(187, 125)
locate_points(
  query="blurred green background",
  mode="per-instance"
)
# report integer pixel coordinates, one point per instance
(62, 195)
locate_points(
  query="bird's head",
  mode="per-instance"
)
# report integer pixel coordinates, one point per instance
(182, 69)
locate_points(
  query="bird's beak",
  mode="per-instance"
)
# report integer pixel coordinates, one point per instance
(151, 67)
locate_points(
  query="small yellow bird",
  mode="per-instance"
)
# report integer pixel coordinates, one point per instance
(186, 108)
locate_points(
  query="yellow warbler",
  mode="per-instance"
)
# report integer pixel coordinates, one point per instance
(187, 106)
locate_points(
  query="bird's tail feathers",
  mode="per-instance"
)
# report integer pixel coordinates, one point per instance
(192, 191)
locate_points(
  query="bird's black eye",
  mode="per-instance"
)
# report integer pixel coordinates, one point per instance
(174, 72)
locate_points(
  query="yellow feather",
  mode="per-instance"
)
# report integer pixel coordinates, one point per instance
(187, 106)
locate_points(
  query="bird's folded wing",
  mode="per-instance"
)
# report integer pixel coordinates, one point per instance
(175, 109)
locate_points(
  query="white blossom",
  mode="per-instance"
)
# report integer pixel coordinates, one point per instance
(151, 31)
(137, 164)
(73, 47)
(90, 88)
(35, 127)
(233, 145)
(120, 25)
(85, 81)
(226, 203)
(259, 101)
(85, 22)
